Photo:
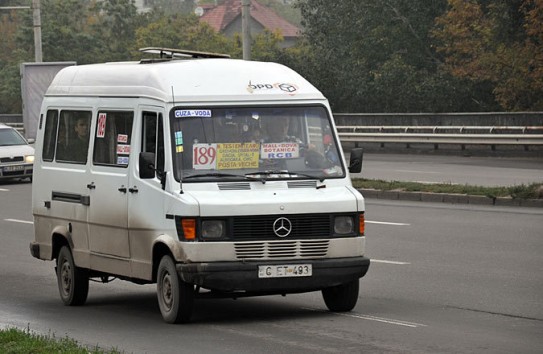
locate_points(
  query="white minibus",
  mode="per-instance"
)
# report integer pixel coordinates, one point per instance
(209, 176)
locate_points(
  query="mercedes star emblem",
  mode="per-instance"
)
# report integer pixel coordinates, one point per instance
(282, 227)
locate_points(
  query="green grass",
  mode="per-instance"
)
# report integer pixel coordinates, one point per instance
(532, 191)
(16, 341)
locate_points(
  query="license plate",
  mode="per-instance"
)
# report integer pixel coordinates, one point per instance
(285, 271)
(13, 168)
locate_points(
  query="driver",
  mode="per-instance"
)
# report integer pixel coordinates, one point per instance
(276, 128)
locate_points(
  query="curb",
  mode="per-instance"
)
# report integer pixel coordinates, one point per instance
(449, 198)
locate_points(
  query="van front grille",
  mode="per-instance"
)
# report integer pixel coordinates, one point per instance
(282, 249)
(260, 227)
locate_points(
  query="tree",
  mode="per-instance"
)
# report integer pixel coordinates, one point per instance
(116, 25)
(11, 54)
(66, 31)
(85, 31)
(169, 7)
(499, 42)
(265, 46)
(183, 31)
(377, 56)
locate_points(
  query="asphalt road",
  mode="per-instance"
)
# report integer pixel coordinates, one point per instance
(480, 171)
(444, 279)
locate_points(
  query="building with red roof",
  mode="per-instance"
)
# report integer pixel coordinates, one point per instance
(226, 18)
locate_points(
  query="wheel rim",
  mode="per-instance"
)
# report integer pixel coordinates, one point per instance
(167, 291)
(66, 278)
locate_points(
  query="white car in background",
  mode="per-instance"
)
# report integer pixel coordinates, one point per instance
(16, 155)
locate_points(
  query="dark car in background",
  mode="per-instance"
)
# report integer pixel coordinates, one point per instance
(16, 155)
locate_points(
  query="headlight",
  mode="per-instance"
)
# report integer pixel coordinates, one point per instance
(343, 225)
(29, 158)
(212, 229)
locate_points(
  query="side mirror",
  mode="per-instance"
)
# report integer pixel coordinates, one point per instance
(147, 165)
(355, 163)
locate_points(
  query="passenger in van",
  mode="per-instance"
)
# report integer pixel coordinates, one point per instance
(277, 128)
(255, 135)
(77, 147)
(330, 151)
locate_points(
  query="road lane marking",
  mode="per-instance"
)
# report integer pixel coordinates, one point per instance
(4, 190)
(20, 221)
(387, 223)
(381, 319)
(389, 262)
(371, 318)
(442, 182)
(418, 171)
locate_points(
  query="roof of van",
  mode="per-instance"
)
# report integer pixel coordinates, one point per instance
(179, 81)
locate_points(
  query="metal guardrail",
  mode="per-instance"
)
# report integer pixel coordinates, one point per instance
(19, 126)
(459, 135)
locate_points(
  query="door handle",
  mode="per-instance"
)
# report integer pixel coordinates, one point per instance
(133, 190)
(122, 189)
(91, 185)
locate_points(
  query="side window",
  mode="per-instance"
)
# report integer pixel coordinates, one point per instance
(73, 136)
(153, 138)
(112, 140)
(50, 135)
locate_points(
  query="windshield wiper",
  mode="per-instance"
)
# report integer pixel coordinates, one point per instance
(219, 175)
(284, 172)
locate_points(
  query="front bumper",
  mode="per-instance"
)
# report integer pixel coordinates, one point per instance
(243, 276)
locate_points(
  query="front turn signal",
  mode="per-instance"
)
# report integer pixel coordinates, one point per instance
(361, 224)
(189, 228)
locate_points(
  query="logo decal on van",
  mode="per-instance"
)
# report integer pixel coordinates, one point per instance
(186, 113)
(286, 87)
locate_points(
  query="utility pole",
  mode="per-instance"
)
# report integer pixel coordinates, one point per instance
(245, 28)
(36, 17)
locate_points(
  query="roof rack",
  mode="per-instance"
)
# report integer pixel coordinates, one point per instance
(170, 53)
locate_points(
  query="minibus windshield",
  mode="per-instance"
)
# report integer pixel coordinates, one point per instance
(254, 143)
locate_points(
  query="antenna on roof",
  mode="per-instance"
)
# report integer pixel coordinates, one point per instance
(171, 53)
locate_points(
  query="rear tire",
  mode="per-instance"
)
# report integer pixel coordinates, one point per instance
(341, 298)
(175, 297)
(73, 282)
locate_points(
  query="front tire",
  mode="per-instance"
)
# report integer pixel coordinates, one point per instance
(175, 297)
(73, 282)
(341, 298)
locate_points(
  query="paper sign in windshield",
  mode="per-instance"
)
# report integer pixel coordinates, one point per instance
(280, 151)
(237, 156)
(223, 156)
(187, 113)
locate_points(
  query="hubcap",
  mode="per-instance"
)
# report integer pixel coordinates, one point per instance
(167, 290)
(66, 277)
